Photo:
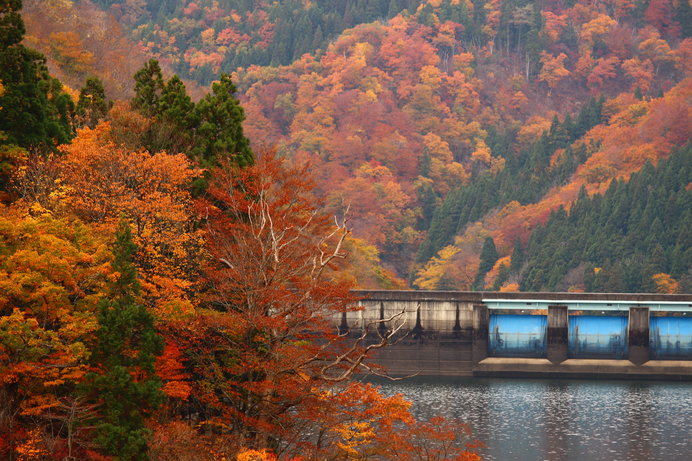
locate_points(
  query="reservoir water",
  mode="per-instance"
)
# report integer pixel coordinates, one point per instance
(558, 420)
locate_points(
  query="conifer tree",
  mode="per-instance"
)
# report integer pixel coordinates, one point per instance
(517, 257)
(220, 130)
(683, 15)
(502, 277)
(148, 88)
(92, 106)
(488, 258)
(125, 349)
(36, 113)
(175, 120)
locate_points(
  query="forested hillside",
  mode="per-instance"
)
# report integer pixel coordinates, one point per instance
(167, 293)
(200, 39)
(173, 252)
(440, 134)
(634, 237)
(438, 123)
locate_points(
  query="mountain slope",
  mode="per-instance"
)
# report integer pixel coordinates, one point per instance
(449, 123)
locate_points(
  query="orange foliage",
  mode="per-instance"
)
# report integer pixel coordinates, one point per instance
(255, 455)
(362, 424)
(639, 131)
(597, 28)
(640, 72)
(665, 284)
(510, 287)
(553, 69)
(493, 273)
(101, 182)
(605, 69)
(170, 369)
(80, 39)
(68, 51)
(395, 93)
(52, 274)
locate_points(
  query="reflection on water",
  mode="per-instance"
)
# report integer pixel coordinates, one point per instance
(559, 420)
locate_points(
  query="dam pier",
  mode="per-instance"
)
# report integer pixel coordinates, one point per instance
(576, 335)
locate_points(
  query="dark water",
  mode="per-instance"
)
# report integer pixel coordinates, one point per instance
(577, 420)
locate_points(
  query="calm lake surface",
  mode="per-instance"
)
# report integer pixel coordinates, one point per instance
(522, 419)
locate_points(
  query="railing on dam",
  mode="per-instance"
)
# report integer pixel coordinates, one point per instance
(464, 328)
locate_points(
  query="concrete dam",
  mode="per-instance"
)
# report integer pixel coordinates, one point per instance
(578, 335)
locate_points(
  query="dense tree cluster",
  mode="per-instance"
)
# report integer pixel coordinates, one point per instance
(618, 241)
(526, 178)
(637, 132)
(205, 130)
(427, 117)
(220, 36)
(166, 293)
(144, 317)
(480, 121)
(36, 112)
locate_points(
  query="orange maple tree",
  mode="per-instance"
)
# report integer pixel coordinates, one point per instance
(268, 361)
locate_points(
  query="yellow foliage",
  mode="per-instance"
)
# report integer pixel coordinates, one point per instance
(68, 51)
(553, 69)
(665, 283)
(532, 130)
(208, 36)
(482, 153)
(431, 75)
(509, 287)
(430, 275)
(32, 448)
(631, 115)
(495, 271)
(72, 93)
(255, 455)
(354, 434)
(597, 28)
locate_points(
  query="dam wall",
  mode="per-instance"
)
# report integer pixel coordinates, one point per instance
(446, 333)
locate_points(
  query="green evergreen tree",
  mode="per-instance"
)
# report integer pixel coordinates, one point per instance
(175, 120)
(35, 111)
(220, 131)
(393, 9)
(625, 236)
(683, 15)
(126, 345)
(517, 257)
(148, 88)
(502, 277)
(525, 178)
(488, 258)
(638, 93)
(11, 24)
(92, 106)
(317, 39)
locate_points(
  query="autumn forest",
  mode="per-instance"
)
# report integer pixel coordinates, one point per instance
(189, 191)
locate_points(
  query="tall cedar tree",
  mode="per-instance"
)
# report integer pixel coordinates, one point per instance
(176, 120)
(220, 130)
(488, 258)
(207, 131)
(148, 88)
(35, 111)
(125, 351)
(92, 106)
